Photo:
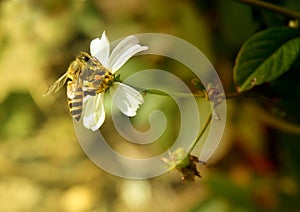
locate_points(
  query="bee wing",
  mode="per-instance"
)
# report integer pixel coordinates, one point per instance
(126, 98)
(57, 84)
(94, 113)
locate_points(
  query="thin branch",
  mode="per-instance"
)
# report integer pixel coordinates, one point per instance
(233, 95)
(272, 7)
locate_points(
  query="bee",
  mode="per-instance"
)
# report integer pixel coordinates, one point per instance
(85, 77)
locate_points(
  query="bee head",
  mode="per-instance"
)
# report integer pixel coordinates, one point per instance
(84, 57)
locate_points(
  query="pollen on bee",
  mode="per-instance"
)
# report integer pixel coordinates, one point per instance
(97, 77)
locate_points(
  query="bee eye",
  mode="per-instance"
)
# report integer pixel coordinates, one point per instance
(85, 58)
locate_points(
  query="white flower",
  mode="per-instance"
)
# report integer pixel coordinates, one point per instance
(125, 98)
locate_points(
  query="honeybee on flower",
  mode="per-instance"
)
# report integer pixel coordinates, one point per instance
(90, 76)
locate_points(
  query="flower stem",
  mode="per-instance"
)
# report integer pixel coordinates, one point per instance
(201, 132)
(272, 7)
(199, 94)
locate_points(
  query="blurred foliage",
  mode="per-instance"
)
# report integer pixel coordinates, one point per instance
(266, 56)
(43, 168)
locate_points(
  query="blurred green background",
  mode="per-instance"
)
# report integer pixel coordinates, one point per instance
(43, 168)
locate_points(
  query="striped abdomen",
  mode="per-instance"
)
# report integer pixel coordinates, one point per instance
(75, 104)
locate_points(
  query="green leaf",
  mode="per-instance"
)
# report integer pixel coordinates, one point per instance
(266, 56)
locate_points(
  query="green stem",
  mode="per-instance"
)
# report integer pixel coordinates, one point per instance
(201, 132)
(272, 7)
(233, 95)
(200, 94)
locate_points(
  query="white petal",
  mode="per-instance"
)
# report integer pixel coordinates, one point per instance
(126, 98)
(94, 113)
(100, 49)
(122, 46)
(126, 49)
